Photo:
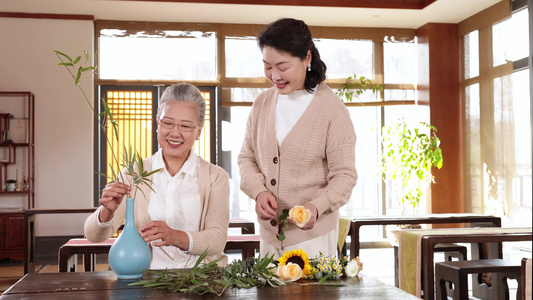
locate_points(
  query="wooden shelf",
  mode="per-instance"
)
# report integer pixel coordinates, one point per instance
(17, 162)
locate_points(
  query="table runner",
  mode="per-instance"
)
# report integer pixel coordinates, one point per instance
(344, 228)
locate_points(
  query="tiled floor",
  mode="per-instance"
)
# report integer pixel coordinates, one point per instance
(377, 263)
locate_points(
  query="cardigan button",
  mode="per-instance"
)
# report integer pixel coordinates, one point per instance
(275, 160)
(273, 222)
(273, 182)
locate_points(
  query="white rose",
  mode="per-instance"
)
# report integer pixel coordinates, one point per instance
(352, 269)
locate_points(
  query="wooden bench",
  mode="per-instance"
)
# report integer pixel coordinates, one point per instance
(68, 254)
(249, 243)
(457, 272)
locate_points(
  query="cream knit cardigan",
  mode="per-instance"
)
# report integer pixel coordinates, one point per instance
(315, 163)
(213, 185)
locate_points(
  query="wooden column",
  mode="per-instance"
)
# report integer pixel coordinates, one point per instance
(439, 60)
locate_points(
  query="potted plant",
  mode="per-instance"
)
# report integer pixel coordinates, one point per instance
(408, 155)
(358, 86)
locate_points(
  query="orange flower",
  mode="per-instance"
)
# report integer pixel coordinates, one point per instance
(299, 215)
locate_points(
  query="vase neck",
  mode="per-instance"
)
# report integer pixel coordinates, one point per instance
(130, 213)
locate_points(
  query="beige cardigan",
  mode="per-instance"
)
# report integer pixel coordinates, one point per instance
(213, 185)
(315, 163)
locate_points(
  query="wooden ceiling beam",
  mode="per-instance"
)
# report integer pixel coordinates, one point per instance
(392, 4)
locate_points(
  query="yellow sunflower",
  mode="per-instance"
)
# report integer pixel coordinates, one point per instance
(298, 257)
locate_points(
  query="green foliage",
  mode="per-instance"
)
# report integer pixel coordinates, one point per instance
(211, 279)
(77, 68)
(357, 85)
(407, 158)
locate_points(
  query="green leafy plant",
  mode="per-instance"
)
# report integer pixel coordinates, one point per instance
(78, 68)
(408, 154)
(357, 86)
(212, 279)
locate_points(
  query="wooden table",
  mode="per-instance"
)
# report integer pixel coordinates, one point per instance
(429, 238)
(248, 242)
(29, 231)
(247, 227)
(104, 285)
(474, 220)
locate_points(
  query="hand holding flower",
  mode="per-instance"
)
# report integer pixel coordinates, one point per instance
(299, 215)
(303, 216)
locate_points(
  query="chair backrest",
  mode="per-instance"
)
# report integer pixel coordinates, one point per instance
(526, 278)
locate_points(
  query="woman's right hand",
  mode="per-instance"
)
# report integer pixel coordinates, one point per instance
(112, 196)
(266, 206)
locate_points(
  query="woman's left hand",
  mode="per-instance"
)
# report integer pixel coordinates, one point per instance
(159, 230)
(314, 215)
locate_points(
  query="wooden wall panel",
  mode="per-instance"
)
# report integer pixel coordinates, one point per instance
(439, 77)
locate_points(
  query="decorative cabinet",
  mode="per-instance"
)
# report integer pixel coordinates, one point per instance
(17, 169)
(12, 235)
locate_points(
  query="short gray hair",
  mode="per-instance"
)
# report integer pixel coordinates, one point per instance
(183, 92)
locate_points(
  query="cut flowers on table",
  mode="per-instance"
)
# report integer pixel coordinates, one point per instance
(330, 267)
(320, 268)
(251, 272)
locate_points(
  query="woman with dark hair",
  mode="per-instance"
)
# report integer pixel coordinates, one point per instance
(299, 145)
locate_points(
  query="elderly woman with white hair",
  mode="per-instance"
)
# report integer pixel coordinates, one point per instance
(186, 210)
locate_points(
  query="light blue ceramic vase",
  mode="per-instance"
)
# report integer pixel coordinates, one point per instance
(129, 255)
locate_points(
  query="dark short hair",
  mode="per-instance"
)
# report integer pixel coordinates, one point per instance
(294, 37)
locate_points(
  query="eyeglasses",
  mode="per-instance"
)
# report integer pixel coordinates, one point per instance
(185, 127)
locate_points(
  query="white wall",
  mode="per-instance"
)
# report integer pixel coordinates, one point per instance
(63, 120)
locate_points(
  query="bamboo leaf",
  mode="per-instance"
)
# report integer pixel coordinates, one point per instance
(63, 55)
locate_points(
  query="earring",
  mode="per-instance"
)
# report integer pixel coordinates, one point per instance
(309, 68)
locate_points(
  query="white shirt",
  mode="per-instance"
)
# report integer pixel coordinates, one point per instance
(289, 109)
(176, 201)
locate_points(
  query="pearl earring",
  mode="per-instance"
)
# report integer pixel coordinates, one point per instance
(309, 68)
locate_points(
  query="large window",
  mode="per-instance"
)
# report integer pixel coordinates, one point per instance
(498, 118)
(227, 56)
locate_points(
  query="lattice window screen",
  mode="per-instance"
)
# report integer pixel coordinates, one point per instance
(133, 112)
(203, 145)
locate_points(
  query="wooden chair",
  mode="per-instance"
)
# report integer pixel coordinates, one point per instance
(457, 272)
(525, 270)
(450, 251)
